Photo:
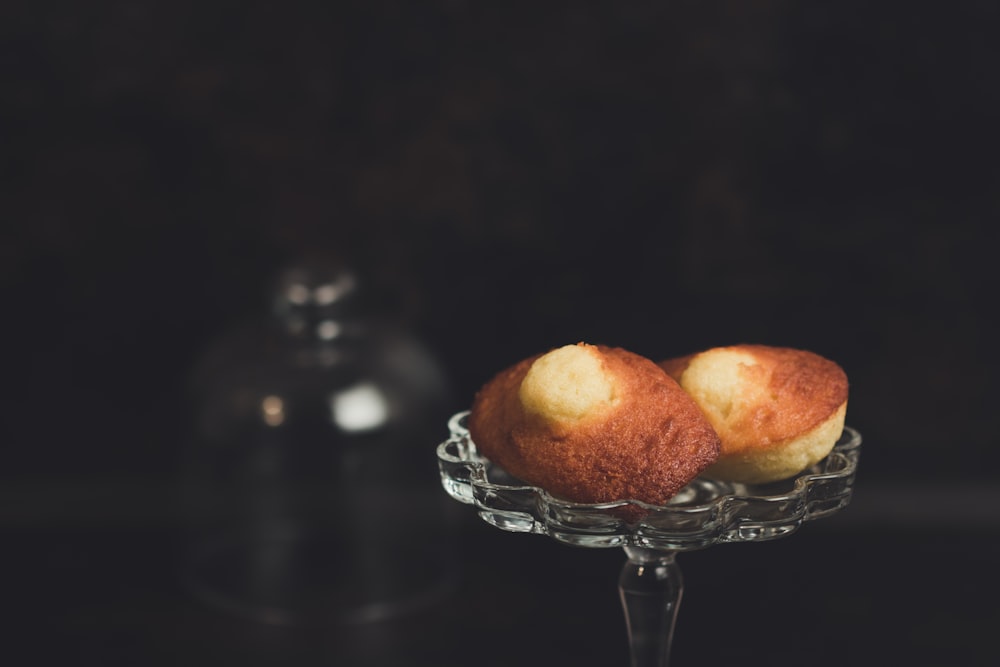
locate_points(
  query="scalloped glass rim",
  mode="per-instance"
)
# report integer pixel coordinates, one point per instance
(704, 513)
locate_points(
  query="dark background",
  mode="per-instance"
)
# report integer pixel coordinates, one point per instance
(506, 177)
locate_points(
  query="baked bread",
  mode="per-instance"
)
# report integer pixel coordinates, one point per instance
(591, 424)
(777, 410)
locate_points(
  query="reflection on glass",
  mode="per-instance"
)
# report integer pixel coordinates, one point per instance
(359, 408)
(273, 410)
(327, 330)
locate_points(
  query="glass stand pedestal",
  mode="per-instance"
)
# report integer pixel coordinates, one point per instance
(705, 513)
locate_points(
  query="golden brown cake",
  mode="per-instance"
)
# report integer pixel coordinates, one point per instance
(591, 423)
(777, 410)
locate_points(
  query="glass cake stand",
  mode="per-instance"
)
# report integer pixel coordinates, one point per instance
(705, 513)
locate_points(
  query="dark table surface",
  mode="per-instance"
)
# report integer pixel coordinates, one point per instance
(90, 577)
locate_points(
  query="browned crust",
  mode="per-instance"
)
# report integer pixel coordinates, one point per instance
(805, 390)
(652, 443)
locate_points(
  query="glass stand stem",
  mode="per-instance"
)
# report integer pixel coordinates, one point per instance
(650, 587)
